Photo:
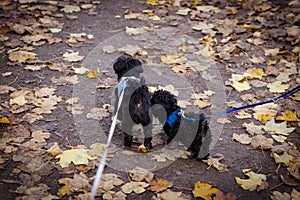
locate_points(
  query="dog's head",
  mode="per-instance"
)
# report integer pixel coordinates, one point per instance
(127, 66)
(163, 104)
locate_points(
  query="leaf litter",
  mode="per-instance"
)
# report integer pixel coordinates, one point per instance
(27, 146)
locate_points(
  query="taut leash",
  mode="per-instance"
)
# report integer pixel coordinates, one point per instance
(274, 100)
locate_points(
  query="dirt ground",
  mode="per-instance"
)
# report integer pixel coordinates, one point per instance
(102, 23)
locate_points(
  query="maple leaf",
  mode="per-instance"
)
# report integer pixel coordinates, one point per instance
(215, 162)
(93, 74)
(277, 87)
(139, 174)
(170, 88)
(294, 167)
(242, 138)
(173, 59)
(179, 68)
(170, 195)
(253, 129)
(284, 158)
(73, 56)
(295, 195)
(256, 73)
(262, 141)
(269, 108)
(136, 187)
(289, 116)
(97, 113)
(280, 196)
(4, 120)
(280, 128)
(75, 156)
(202, 103)
(160, 185)
(204, 190)
(253, 182)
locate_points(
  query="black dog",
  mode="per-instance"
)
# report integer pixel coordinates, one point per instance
(190, 128)
(135, 105)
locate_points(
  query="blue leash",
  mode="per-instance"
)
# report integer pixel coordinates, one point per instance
(283, 96)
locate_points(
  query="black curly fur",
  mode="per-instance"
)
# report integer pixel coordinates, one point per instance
(136, 100)
(187, 131)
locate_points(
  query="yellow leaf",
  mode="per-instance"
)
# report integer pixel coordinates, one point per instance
(277, 87)
(253, 182)
(256, 73)
(76, 156)
(204, 190)
(179, 68)
(152, 2)
(202, 103)
(289, 116)
(264, 117)
(284, 158)
(4, 120)
(65, 190)
(93, 74)
(172, 59)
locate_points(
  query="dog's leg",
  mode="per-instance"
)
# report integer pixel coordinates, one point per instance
(127, 139)
(148, 136)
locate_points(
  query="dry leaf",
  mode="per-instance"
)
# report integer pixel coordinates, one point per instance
(204, 190)
(242, 138)
(254, 181)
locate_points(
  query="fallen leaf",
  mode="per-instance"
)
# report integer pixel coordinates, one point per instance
(277, 87)
(75, 156)
(271, 52)
(136, 187)
(284, 158)
(253, 129)
(262, 142)
(73, 56)
(160, 185)
(97, 113)
(80, 70)
(204, 190)
(253, 182)
(20, 100)
(221, 196)
(242, 138)
(21, 56)
(215, 162)
(280, 128)
(202, 103)
(139, 174)
(170, 195)
(256, 73)
(289, 116)
(279, 196)
(55, 150)
(295, 194)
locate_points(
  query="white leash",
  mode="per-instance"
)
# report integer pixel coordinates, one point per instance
(103, 160)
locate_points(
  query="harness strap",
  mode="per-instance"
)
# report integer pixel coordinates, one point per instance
(125, 82)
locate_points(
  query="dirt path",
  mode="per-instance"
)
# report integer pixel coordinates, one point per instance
(47, 101)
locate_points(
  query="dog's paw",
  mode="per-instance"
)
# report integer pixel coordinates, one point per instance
(147, 143)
